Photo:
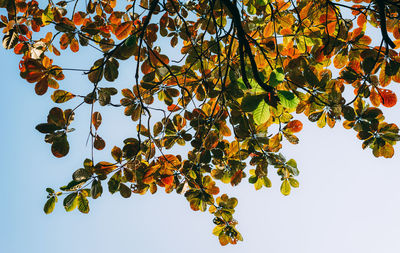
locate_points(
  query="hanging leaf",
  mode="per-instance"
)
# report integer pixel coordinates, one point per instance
(99, 143)
(96, 189)
(60, 146)
(50, 204)
(83, 203)
(96, 120)
(71, 202)
(285, 187)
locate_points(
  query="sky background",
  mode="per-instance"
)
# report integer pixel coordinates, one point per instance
(348, 200)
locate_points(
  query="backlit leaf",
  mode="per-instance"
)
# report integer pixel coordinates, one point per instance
(123, 30)
(261, 114)
(61, 96)
(96, 120)
(288, 99)
(285, 187)
(83, 203)
(49, 205)
(70, 202)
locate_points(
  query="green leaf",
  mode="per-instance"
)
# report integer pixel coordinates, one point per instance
(267, 182)
(47, 15)
(70, 202)
(251, 102)
(130, 41)
(253, 179)
(61, 96)
(114, 182)
(50, 204)
(261, 114)
(285, 187)
(277, 76)
(72, 186)
(49, 190)
(288, 99)
(293, 182)
(83, 203)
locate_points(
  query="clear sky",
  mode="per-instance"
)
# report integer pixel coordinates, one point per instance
(348, 201)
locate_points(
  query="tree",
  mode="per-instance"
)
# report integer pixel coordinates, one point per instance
(245, 69)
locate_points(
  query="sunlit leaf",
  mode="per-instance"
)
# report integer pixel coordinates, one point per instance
(61, 96)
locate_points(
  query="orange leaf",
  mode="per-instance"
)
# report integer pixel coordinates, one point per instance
(104, 167)
(96, 120)
(79, 18)
(375, 98)
(74, 45)
(295, 126)
(173, 108)
(388, 98)
(123, 30)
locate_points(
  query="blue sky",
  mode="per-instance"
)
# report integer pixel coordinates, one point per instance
(348, 201)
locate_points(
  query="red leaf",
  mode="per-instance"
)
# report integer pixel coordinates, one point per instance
(388, 98)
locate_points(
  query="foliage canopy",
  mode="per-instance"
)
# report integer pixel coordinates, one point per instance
(245, 69)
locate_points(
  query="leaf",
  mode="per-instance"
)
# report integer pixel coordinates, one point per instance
(288, 99)
(99, 143)
(388, 98)
(251, 102)
(83, 203)
(46, 128)
(123, 30)
(96, 120)
(315, 116)
(261, 114)
(10, 40)
(285, 187)
(70, 202)
(277, 76)
(211, 141)
(116, 153)
(47, 15)
(60, 146)
(114, 183)
(131, 41)
(96, 189)
(49, 205)
(125, 191)
(96, 71)
(293, 182)
(294, 126)
(111, 70)
(61, 96)
(81, 175)
(104, 168)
